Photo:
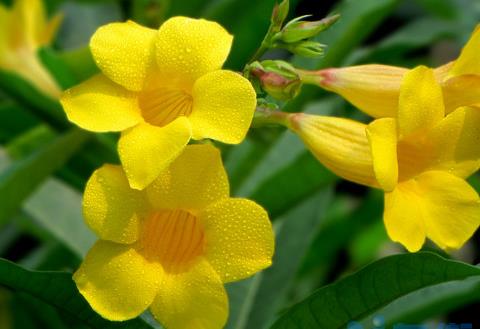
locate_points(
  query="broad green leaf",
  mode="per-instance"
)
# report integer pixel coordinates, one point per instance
(369, 290)
(21, 177)
(13, 120)
(58, 290)
(428, 302)
(58, 209)
(254, 302)
(56, 66)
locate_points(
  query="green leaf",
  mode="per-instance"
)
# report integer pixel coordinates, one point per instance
(369, 290)
(21, 177)
(31, 98)
(254, 302)
(59, 290)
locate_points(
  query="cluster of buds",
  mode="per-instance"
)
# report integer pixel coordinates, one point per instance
(277, 78)
(296, 35)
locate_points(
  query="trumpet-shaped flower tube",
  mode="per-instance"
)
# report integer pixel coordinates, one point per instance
(375, 89)
(161, 88)
(420, 158)
(23, 30)
(171, 246)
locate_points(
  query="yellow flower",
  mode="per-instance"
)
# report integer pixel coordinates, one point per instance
(171, 246)
(161, 88)
(375, 89)
(420, 159)
(23, 30)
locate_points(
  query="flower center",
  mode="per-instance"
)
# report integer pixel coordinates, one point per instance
(175, 238)
(414, 156)
(160, 106)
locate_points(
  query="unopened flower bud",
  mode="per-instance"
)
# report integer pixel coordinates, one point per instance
(277, 78)
(280, 13)
(297, 30)
(306, 48)
(339, 144)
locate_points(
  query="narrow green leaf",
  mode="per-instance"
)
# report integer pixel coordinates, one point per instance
(372, 288)
(58, 289)
(294, 236)
(21, 178)
(28, 96)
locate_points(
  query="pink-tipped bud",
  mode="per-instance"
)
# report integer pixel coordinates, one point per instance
(279, 79)
(280, 13)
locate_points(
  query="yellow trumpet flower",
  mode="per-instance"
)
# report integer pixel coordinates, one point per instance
(420, 158)
(161, 88)
(375, 89)
(23, 30)
(172, 246)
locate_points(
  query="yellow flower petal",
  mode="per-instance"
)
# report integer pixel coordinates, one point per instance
(452, 208)
(457, 139)
(467, 62)
(124, 52)
(117, 282)
(146, 150)
(460, 91)
(239, 237)
(101, 105)
(382, 135)
(373, 88)
(404, 216)
(441, 72)
(192, 299)
(29, 22)
(339, 144)
(420, 103)
(193, 181)
(188, 48)
(111, 208)
(223, 107)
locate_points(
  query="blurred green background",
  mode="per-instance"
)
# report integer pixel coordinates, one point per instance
(326, 227)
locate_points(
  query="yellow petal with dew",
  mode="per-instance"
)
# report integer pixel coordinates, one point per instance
(193, 181)
(460, 91)
(223, 107)
(452, 208)
(373, 88)
(239, 237)
(404, 216)
(382, 135)
(192, 299)
(456, 142)
(101, 105)
(124, 52)
(111, 208)
(339, 144)
(421, 102)
(467, 62)
(146, 150)
(118, 283)
(188, 48)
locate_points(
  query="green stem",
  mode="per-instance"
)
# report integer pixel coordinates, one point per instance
(267, 117)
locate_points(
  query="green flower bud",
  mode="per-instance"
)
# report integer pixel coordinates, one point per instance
(280, 13)
(297, 30)
(306, 48)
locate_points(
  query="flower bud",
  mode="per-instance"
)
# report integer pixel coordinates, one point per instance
(297, 30)
(373, 88)
(280, 13)
(306, 48)
(279, 79)
(339, 144)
